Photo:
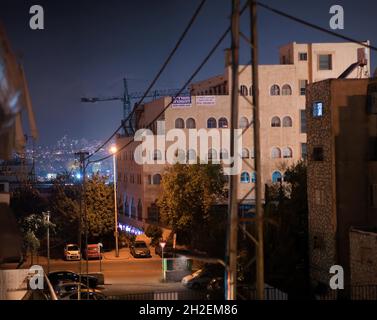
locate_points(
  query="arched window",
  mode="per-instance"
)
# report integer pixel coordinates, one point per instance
(126, 207)
(179, 123)
(287, 122)
(275, 90)
(287, 153)
(223, 123)
(224, 155)
(157, 155)
(286, 90)
(275, 153)
(180, 156)
(140, 210)
(251, 90)
(244, 123)
(191, 155)
(190, 123)
(252, 153)
(243, 90)
(275, 122)
(156, 179)
(245, 153)
(253, 177)
(133, 208)
(245, 177)
(211, 123)
(276, 177)
(212, 154)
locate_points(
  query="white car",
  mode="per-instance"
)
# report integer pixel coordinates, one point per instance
(72, 252)
(197, 280)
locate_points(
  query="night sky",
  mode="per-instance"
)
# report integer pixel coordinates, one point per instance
(87, 47)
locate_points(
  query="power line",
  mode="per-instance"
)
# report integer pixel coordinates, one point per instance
(314, 26)
(181, 38)
(212, 51)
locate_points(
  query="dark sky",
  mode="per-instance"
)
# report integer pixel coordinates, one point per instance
(87, 47)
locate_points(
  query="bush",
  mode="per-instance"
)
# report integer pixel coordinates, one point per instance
(155, 233)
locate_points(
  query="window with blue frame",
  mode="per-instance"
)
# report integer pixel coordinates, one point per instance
(245, 177)
(253, 177)
(276, 177)
(318, 109)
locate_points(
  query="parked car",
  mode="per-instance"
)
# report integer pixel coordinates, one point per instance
(93, 251)
(72, 252)
(85, 294)
(168, 250)
(215, 289)
(63, 288)
(140, 249)
(202, 277)
(57, 277)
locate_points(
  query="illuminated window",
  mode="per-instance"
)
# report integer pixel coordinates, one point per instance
(245, 177)
(317, 109)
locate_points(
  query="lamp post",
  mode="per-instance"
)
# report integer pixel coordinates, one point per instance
(162, 244)
(47, 217)
(114, 150)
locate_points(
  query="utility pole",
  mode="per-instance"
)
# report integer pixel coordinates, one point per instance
(114, 150)
(257, 150)
(82, 158)
(47, 218)
(232, 238)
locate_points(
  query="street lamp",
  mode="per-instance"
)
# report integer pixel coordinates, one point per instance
(162, 244)
(114, 150)
(47, 217)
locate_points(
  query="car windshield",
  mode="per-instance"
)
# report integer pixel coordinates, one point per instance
(92, 248)
(140, 245)
(73, 248)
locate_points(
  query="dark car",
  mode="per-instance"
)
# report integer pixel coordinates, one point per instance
(168, 250)
(215, 289)
(86, 294)
(63, 288)
(58, 277)
(140, 249)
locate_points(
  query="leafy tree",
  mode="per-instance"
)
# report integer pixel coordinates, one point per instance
(187, 200)
(154, 232)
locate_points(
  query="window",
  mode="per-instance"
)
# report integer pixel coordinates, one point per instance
(223, 123)
(244, 123)
(373, 195)
(303, 56)
(253, 177)
(304, 151)
(191, 155)
(126, 207)
(275, 153)
(179, 123)
(287, 122)
(317, 109)
(156, 179)
(287, 153)
(276, 177)
(318, 154)
(245, 177)
(275, 90)
(252, 153)
(190, 123)
(302, 121)
(302, 86)
(211, 123)
(275, 122)
(286, 90)
(224, 155)
(180, 156)
(245, 153)
(212, 154)
(325, 62)
(157, 155)
(243, 90)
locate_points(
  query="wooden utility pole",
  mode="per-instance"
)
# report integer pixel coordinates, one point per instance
(231, 292)
(257, 150)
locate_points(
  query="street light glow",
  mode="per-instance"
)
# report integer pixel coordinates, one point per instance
(113, 149)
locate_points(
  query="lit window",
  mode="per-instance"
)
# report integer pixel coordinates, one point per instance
(325, 62)
(245, 177)
(276, 177)
(317, 109)
(286, 90)
(275, 90)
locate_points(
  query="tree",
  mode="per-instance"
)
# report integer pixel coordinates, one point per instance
(286, 245)
(155, 233)
(27, 200)
(189, 193)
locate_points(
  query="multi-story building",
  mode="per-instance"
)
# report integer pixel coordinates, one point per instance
(342, 179)
(282, 115)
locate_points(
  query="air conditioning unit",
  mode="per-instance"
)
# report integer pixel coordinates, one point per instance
(362, 56)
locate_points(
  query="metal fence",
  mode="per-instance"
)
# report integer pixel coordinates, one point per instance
(359, 292)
